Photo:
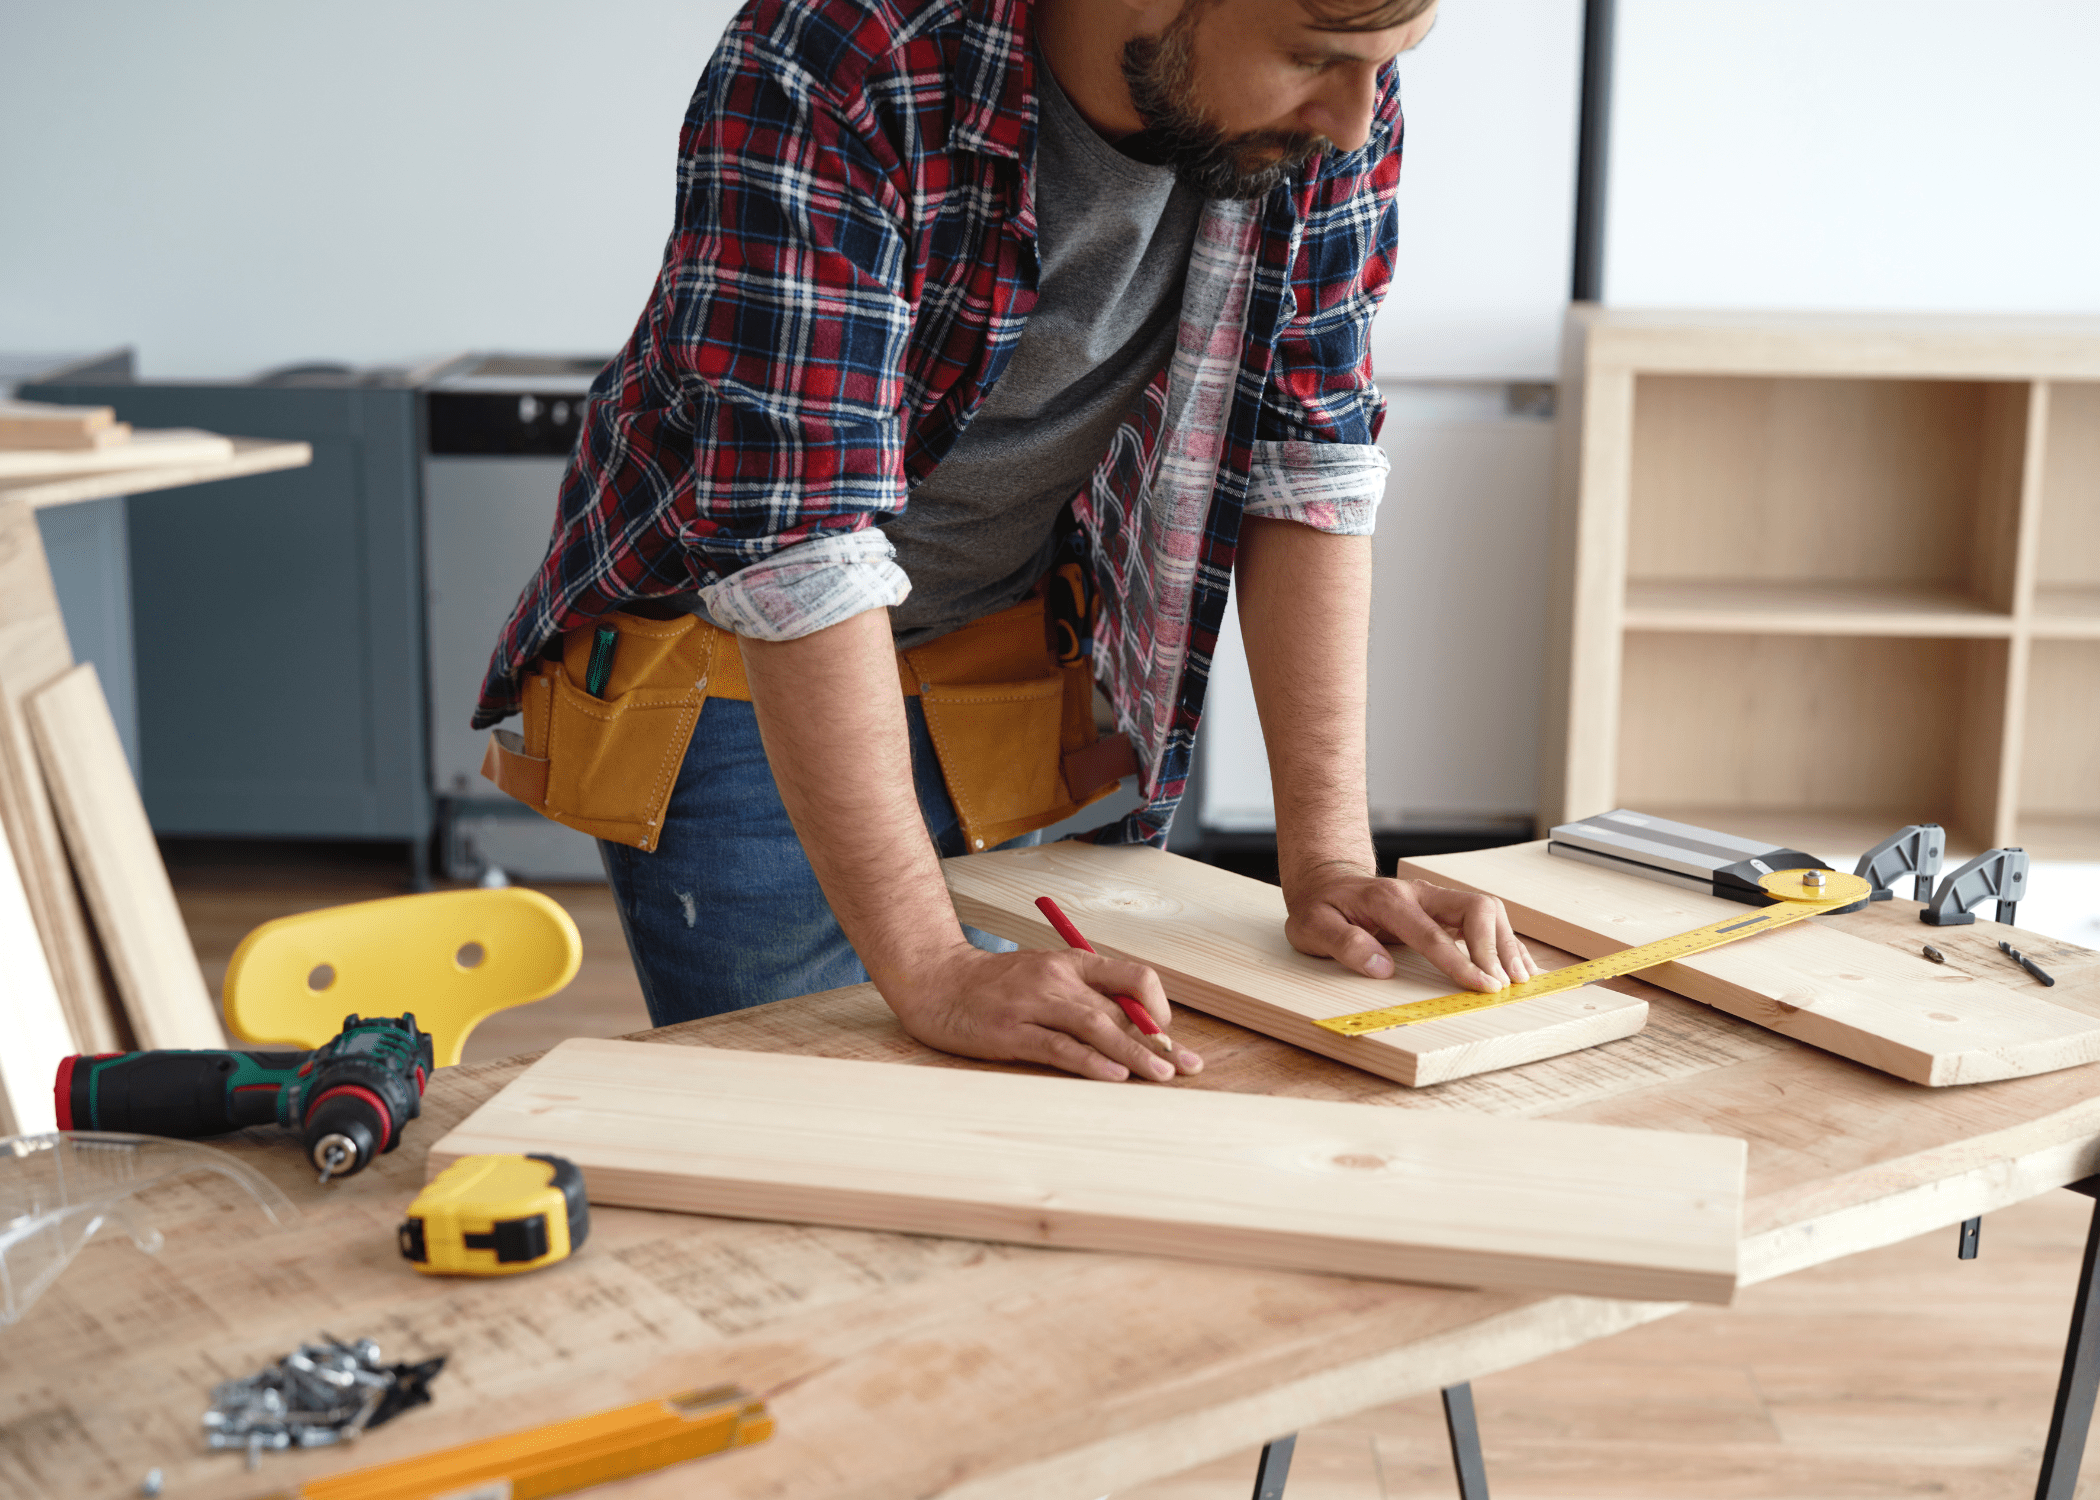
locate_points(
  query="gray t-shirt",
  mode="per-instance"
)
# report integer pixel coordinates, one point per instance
(1114, 237)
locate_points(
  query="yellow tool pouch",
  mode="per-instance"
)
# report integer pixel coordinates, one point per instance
(1014, 730)
(605, 764)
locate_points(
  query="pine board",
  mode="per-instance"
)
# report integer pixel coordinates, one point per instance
(39, 424)
(34, 1035)
(120, 866)
(33, 653)
(1292, 1184)
(1877, 1003)
(145, 450)
(1216, 941)
(250, 456)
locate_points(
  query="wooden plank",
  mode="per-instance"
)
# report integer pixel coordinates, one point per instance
(150, 449)
(39, 424)
(250, 456)
(32, 1021)
(1243, 1180)
(1216, 940)
(120, 866)
(33, 653)
(1878, 1004)
(903, 1366)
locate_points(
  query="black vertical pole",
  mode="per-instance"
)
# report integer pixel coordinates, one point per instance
(2075, 1389)
(1592, 148)
(1464, 1428)
(1274, 1469)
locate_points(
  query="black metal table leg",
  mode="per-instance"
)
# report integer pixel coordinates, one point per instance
(1274, 1468)
(1971, 1238)
(2076, 1387)
(1465, 1442)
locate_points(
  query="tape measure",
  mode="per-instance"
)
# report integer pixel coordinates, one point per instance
(1798, 900)
(496, 1215)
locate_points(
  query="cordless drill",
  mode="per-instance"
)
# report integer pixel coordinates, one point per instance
(349, 1099)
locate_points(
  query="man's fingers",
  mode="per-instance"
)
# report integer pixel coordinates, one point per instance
(1108, 1035)
(1483, 929)
(1039, 1044)
(1325, 932)
(1119, 976)
(1116, 976)
(1516, 958)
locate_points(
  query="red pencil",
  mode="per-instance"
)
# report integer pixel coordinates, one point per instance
(1139, 1016)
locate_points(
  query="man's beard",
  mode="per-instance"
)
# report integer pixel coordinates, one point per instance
(1160, 73)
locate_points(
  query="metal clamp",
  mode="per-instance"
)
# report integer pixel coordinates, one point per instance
(1997, 872)
(1915, 850)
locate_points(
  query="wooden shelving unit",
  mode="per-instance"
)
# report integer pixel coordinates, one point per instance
(1819, 576)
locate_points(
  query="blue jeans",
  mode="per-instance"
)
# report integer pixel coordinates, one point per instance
(726, 913)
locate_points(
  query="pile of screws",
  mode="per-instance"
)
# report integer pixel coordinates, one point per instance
(319, 1394)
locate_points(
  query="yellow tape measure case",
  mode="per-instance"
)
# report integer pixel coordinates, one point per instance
(496, 1215)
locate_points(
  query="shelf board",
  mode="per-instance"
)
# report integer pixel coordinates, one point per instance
(1739, 607)
(2068, 611)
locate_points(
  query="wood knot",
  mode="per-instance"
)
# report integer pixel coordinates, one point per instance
(1362, 1161)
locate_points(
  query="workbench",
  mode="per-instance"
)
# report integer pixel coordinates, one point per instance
(900, 1366)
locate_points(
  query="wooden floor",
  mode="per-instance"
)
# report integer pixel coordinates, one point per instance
(1903, 1372)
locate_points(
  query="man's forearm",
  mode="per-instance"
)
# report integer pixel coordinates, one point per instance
(1305, 609)
(833, 722)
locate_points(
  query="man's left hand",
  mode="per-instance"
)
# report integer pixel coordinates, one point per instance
(1339, 911)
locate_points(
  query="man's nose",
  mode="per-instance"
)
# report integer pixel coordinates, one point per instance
(1342, 109)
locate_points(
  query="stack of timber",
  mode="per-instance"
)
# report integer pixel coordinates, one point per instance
(33, 654)
(41, 440)
(119, 865)
(38, 424)
(60, 763)
(1877, 1002)
(1216, 941)
(1248, 1179)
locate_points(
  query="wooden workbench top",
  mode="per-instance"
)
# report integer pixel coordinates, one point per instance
(903, 1366)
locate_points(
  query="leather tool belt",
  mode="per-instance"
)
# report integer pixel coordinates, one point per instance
(1012, 725)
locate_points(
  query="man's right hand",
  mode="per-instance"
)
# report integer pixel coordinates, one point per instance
(1036, 1006)
(834, 728)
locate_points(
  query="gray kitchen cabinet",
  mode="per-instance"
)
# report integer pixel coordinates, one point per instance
(278, 619)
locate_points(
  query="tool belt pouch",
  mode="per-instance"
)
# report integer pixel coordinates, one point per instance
(605, 765)
(1014, 731)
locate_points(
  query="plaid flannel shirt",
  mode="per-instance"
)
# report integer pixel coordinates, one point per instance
(852, 263)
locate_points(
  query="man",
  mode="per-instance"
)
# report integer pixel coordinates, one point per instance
(957, 284)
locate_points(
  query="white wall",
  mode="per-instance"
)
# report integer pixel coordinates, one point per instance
(1487, 194)
(231, 184)
(1861, 154)
(1457, 627)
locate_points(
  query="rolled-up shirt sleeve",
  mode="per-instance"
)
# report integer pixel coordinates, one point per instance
(1332, 487)
(1316, 458)
(796, 591)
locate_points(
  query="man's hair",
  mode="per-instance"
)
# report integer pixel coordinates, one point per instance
(1363, 15)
